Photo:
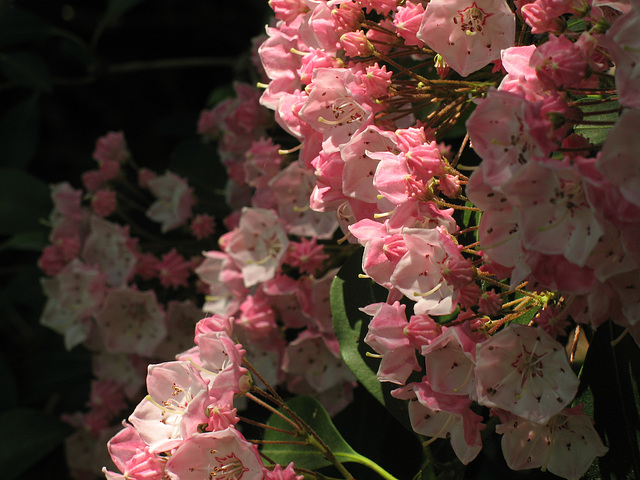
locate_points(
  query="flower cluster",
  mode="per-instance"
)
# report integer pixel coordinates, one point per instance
(369, 115)
(185, 427)
(116, 287)
(351, 81)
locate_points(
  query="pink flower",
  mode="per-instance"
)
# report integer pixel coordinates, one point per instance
(356, 44)
(335, 107)
(174, 270)
(622, 41)
(174, 201)
(73, 297)
(306, 255)
(468, 35)
(525, 371)
(310, 358)
(111, 249)
(257, 320)
(450, 363)
(288, 10)
(132, 457)
(223, 454)
(257, 245)
(145, 176)
(203, 226)
(443, 416)
(566, 444)
(104, 202)
(173, 387)
(619, 162)
(387, 337)
(559, 63)
(292, 188)
(131, 322)
(407, 20)
(507, 132)
(111, 148)
(278, 473)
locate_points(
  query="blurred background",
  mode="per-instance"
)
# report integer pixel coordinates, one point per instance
(69, 73)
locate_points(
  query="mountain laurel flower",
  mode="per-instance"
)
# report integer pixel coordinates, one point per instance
(174, 201)
(525, 371)
(131, 321)
(566, 445)
(257, 245)
(224, 454)
(203, 226)
(388, 338)
(468, 35)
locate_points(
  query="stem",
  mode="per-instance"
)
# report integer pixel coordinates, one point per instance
(272, 410)
(316, 442)
(442, 203)
(373, 466)
(265, 426)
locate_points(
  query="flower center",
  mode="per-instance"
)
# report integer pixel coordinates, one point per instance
(229, 468)
(472, 19)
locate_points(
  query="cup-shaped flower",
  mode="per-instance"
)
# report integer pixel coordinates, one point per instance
(439, 415)
(174, 201)
(172, 387)
(468, 35)
(525, 371)
(131, 321)
(221, 455)
(450, 363)
(566, 445)
(257, 245)
(387, 337)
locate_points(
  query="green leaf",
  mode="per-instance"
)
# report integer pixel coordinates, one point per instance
(19, 133)
(597, 134)
(30, 436)
(611, 374)
(349, 293)
(306, 456)
(34, 241)
(27, 70)
(24, 201)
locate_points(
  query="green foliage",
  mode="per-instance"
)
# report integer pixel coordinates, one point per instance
(349, 293)
(307, 456)
(30, 435)
(597, 134)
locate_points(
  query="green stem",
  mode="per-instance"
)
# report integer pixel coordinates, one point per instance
(367, 462)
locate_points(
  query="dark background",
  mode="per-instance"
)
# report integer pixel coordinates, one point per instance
(62, 87)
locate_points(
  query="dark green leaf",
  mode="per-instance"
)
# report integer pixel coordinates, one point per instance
(34, 240)
(306, 456)
(349, 293)
(29, 436)
(526, 318)
(19, 133)
(610, 372)
(24, 201)
(27, 70)
(596, 134)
